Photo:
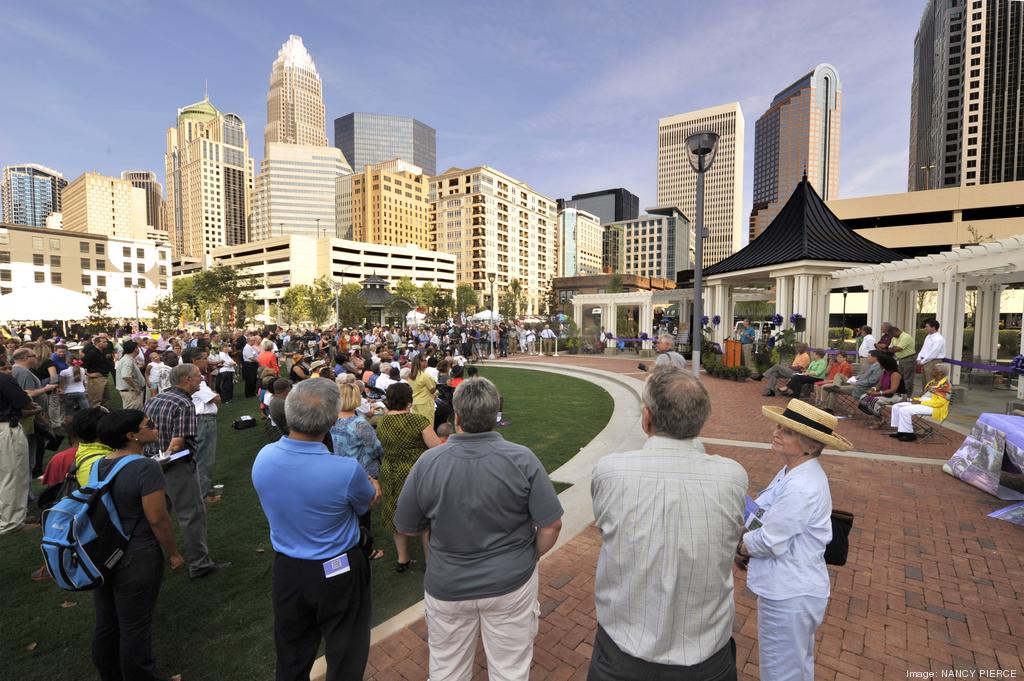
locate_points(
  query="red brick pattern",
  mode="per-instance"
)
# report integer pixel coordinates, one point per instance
(931, 583)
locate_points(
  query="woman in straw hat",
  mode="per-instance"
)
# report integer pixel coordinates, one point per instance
(786, 542)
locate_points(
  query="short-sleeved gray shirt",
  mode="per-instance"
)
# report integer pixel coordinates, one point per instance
(482, 498)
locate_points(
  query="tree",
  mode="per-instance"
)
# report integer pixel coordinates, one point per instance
(220, 291)
(510, 304)
(319, 301)
(614, 284)
(168, 312)
(427, 297)
(351, 306)
(292, 305)
(404, 297)
(99, 309)
(443, 307)
(466, 299)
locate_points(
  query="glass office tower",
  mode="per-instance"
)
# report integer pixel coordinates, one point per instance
(368, 139)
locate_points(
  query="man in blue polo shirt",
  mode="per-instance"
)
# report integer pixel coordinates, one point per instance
(321, 578)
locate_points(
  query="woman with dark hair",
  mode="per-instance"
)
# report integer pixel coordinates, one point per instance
(889, 390)
(404, 435)
(122, 644)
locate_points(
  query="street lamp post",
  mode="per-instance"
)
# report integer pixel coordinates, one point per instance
(842, 340)
(700, 151)
(318, 228)
(492, 277)
(138, 322)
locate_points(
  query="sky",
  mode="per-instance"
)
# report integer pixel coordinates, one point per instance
(564, 96)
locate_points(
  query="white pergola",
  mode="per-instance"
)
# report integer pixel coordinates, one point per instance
(987, 268)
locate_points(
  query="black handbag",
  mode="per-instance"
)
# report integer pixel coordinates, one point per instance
(244, 422)
(836, 551)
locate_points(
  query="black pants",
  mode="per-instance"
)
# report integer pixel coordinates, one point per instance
(226, 386)
(610, 663)
(308, 606)
(249, 372)
(122, 643)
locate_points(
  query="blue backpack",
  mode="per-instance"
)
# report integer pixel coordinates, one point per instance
(83, 539)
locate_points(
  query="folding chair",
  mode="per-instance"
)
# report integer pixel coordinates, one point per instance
(924, 429)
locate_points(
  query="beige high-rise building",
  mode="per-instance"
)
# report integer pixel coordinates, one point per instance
(209, 180)
(295, 102)
(723, 184)
(799, 133)
(147, 180)
(495, 224)
(579, 243)
(103, 205)
(295, 191)
(385, 204)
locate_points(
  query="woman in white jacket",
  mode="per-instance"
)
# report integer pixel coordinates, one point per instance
(786, 543)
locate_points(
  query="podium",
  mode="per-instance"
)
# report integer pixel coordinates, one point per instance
(733, 353)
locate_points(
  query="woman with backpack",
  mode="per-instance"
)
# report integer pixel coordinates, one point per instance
(122, 644)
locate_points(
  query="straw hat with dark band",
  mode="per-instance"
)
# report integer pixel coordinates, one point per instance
(814, 423)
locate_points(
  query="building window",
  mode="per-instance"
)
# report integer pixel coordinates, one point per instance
(56, 278)
(162, 270)
(86, 280)
(101, 281)
(55, 244)
(85, 263)
(83, 246)
(5, 256)
(140, 268)
(37, 259)
(37, 243)
(5, 275)
(127, 282)
(140, 253)
(101, 264)
(54, 261)
(4, 290)
(101, 249)
(40, 278)
(127, 252)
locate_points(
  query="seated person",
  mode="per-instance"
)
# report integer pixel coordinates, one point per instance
(890, 389)
(857, 386)
(777, 371)
(840, 366)
(816, 371)
(934, 402)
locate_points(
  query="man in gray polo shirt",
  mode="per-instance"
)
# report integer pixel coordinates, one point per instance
(492, 512)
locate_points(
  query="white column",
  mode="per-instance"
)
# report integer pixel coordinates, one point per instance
(646, 322)
(817, 312)
(784, 297)
(951, 316)
(611, 314)
(577, 316)
(986, 320)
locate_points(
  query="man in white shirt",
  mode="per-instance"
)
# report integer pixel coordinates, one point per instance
(128, 379)
(205, 402)
(867, 344)
(547, 338)
(670, 518)
(933, 349)
(531, 342)
(225, 375)
(250, 364)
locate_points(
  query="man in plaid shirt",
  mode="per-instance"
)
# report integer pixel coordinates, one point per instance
(175, 418)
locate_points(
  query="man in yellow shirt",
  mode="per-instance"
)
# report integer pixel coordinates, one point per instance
(905, 351)
(799, 365)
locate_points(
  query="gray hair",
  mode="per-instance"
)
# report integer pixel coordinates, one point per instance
(181, 373)
(678, 402)
(312, 406)
(476, 403)
(267, 344)
(667, 338)
(941, 369)
(810, 445)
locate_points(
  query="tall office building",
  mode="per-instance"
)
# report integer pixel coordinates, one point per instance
(146, 180)
(106, 206)
(295, 191)
(495, 224)
(966, 110)
(798, 133)
(385, 204)
(209, 180)
(723, 184)
(368, 139)
(29, 193)
(655, 244)
(609, 205)
(295, 102)
(579, 243)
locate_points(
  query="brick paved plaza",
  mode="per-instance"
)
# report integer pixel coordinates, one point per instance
(932, 584)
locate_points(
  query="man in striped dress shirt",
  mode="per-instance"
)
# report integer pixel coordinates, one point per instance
(670, 517)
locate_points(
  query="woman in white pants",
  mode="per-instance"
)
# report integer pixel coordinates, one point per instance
(785, 544)
(934, 402)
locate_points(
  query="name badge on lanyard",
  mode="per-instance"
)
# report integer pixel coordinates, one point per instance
(336, 566)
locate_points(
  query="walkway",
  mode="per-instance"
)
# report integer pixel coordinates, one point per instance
(931, 584)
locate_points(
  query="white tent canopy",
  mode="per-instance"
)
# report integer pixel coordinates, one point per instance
(44, 301)
(415, 317)
(486, 315)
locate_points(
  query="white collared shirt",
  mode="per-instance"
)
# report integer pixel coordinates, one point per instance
(250, 353)
(787, 553)
(867, 344)
(202, 400)
(670, 517)
(934, 347)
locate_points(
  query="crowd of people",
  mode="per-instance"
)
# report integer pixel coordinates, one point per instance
(398, 420)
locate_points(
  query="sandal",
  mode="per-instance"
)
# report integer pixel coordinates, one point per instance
(377, 555)
(402, 567)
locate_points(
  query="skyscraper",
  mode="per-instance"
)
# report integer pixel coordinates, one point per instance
(655, 244)
(29, 193)
(579, 243)
(209, 180)
(295, 191)
(723, 184)
(798, 133)
(368, 139)
(385, 204)
(966, 110)
(609, 205)
(144, 179)
(295, 101)
(107, 206)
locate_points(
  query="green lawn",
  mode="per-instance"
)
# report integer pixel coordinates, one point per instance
(221, 627)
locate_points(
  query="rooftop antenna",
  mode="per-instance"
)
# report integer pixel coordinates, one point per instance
(206, 89)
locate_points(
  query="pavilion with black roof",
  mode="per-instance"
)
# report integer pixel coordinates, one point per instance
(796, 256)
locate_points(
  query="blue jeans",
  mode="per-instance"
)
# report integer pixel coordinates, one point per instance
(206, 451)
(75, 402)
